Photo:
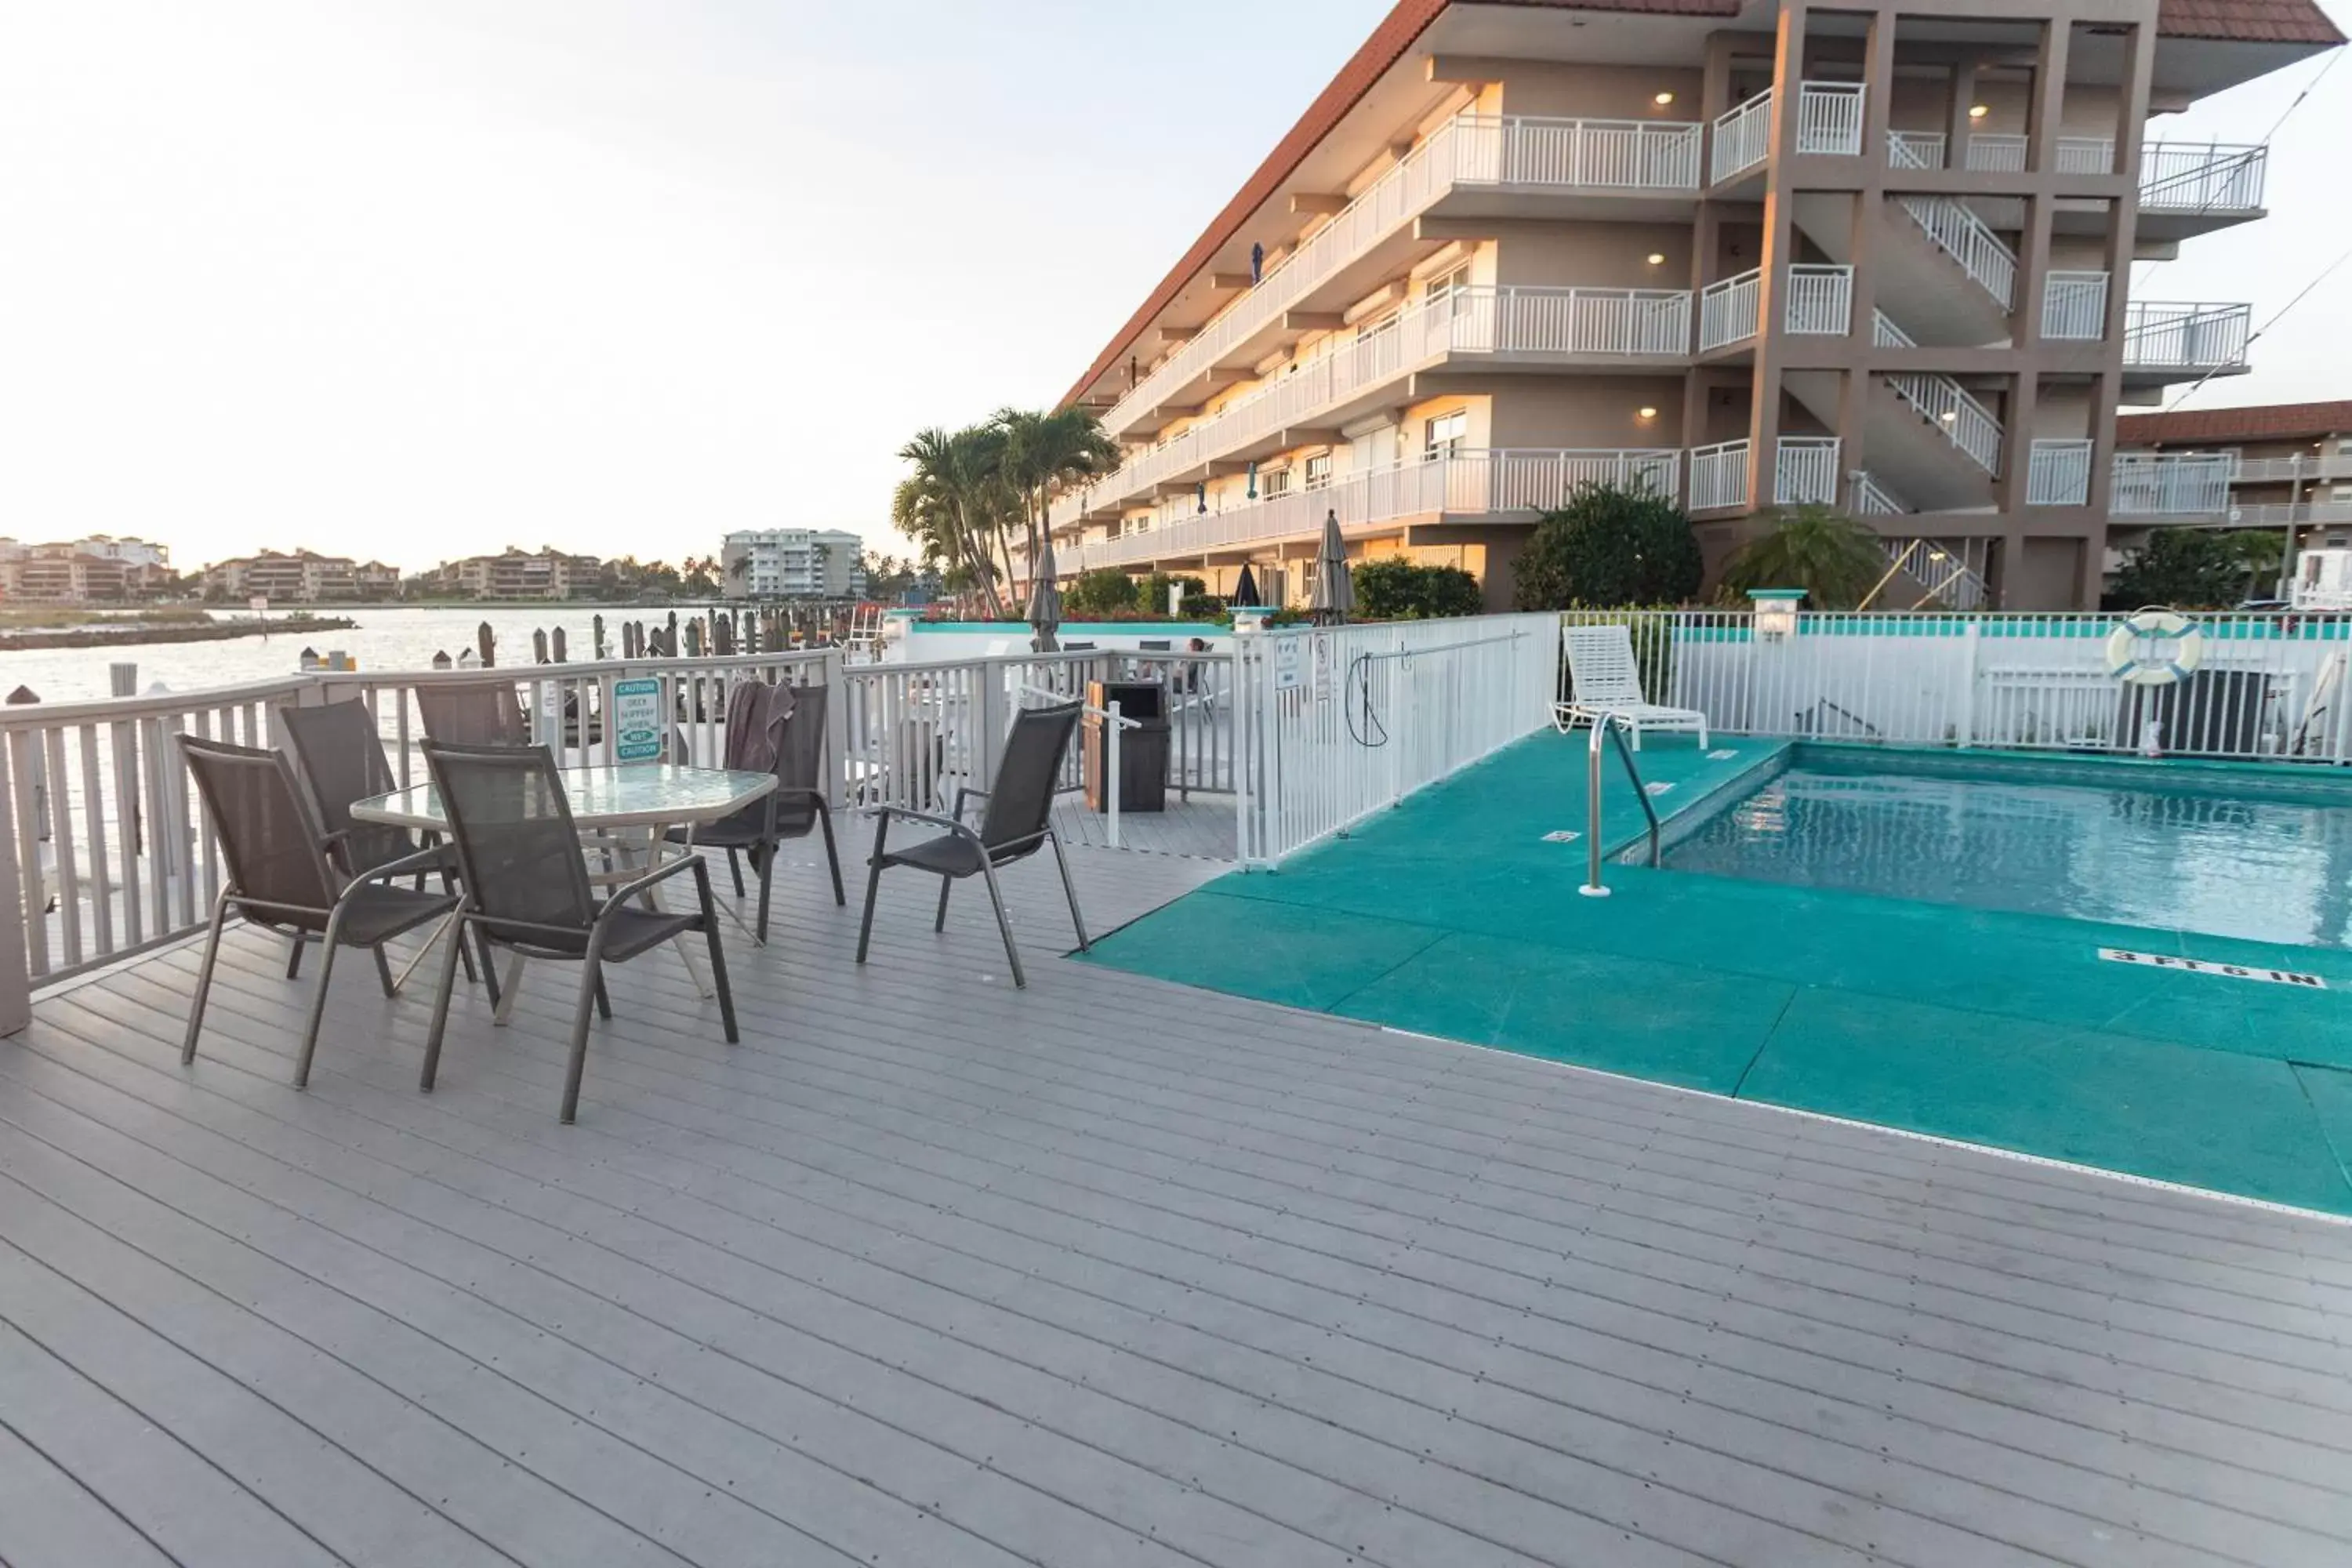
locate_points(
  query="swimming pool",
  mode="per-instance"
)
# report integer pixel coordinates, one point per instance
(2242, 852)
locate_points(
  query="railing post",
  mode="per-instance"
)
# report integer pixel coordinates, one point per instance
(990, 718)
(1964, 726)
(836, 727)
(16, 977)
(1114, 784)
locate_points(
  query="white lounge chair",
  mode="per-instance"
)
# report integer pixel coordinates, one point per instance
(1605, 679)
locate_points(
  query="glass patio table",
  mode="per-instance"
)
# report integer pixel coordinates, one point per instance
(627, 812)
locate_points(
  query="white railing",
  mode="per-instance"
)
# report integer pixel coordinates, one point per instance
(1566, 322)
(1463, 149)
(2160, 334)
(2184, 484)
(1914, 148)
(1728, 310)
(2268, 687)
(1938, 568)
(2075, 306)
(1885, 335)
(2269, 514)
(1945, 404)
(1336, 724)
(1743, 138)
(1609, 154)
(1963, 237)
(2058, 473)
(1872, 499)
(1829, 118)
(1476, 483)
(1719, 475)
(2188, 176)
(2086, 155)
(2302, 466)
(1996, 151)
(1805, 471)
(1820, 299)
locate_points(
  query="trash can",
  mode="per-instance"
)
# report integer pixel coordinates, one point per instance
(1142, 751)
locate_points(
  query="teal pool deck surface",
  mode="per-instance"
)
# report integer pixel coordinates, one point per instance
(1454, 915)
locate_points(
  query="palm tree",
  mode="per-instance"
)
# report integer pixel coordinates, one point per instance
(2260, 552)
(1044, 452)
(957, 504)
(1834, 558)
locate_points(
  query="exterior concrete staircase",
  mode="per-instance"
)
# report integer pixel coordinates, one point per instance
(1948, 277)
(1924, 436)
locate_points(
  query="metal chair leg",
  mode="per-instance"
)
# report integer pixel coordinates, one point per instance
(204, 978)
(1004, 924)
(319, 997)
(718, 957)
(735, 864)
(604, 1000)
(940, 921)
(1069, 890)
(449, 886)
(294, 960)
(866, 926)
(832, 856)
(384, 972)
(441, 995)
(766, 866)
(592, 980)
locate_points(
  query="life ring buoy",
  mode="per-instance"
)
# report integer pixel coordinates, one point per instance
(2179, 648)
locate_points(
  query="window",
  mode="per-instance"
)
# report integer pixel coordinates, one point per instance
(2339, 492)
(2343, 446)
(1446, 285)
(1448, 433)
(1319, 470)
(1275, 482)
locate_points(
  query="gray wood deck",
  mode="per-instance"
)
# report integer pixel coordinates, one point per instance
(928, 1271)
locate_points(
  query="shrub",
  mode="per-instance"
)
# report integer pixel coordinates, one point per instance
(1203, 607)
(1402, 591)
(1609, 547)
(2184, 568)
(1154, 591)
(1100, 591)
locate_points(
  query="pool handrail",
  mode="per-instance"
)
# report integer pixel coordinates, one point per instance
(1614, 724)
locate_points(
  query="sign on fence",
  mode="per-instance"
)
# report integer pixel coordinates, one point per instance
(1289, 663)
(636, 719)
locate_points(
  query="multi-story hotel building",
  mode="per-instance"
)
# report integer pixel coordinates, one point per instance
(1745, 253)
(517, 574)
(2283, 465)
(99, 566)
(303, 577)
(792, 563)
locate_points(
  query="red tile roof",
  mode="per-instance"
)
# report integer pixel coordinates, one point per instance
(2280, 21)
(2261, 422)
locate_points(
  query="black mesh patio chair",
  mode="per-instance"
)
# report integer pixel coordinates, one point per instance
(778, 730)
(472, 713)
(279, 877)
(527, 889)
(1019, 819)
(341, 756)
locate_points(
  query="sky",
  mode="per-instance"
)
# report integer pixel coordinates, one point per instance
(417, 278)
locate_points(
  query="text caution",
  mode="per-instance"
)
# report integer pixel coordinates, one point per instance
(2203, 966)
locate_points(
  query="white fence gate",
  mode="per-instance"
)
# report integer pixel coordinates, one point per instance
(1337, 723)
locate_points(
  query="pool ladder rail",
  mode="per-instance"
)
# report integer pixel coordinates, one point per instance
(1615, 725)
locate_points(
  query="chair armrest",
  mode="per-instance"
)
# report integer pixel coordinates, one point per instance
(960, 829)
(406, 865)
(628, 890)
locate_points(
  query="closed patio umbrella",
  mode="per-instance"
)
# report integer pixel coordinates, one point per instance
(1332, 595)
(1245, 588)
(1045, 602)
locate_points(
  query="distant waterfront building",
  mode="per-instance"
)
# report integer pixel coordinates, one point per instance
(514, 573)
(792, 563)
(99, 567)
(2288, 464)
(302, 576)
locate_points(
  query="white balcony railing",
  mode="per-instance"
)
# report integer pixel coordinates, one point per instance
(2058, 473)
(1743, 138)
(1872, 499)
(2182, 484)
(1998, 151)
(1719, 475)
(1468, 149)
(1914, 148)
(1583, 154)
(2163, 335)
(2075, 306)
(1805, 471)
(1476, 483)
(1727, 310)
(1994, 152)
(2086, 155)
(2277, 514)
(1820, 299)
(1885, 335)
(1829, 118)
(1964, 236)
(2191, 176)
(1945, 404)
(2305, 467)
(1569, 323)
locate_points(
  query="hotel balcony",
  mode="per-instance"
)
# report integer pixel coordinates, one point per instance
(1500, 483)
(1820, 301)
(2302, 466)
(1499, 329)
(1471, 166)
(2058, 473)
(1805, 471)
(2186, 485)
(2169, 341)
(1829, 124)
(2278, 514)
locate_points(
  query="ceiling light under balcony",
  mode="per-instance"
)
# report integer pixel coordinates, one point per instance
(1978, 112)
(1657, 259)
(1647, 414)
(1663, 100)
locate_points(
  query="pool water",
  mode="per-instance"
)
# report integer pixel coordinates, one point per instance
(2271, 865)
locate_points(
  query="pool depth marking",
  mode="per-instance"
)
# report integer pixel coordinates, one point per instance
(2205, 966)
